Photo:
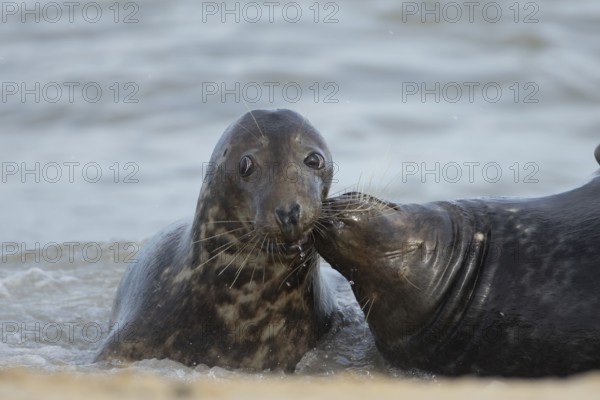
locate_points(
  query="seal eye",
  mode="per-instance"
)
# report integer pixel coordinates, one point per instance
(247, 166)
(315, 161)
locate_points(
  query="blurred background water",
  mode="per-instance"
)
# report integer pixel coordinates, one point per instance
(418, 102)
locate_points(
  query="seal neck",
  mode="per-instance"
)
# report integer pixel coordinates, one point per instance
(224, 241)
(461, 251)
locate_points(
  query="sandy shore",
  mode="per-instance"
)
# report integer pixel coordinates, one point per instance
(18, 384)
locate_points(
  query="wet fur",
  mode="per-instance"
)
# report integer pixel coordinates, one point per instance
(499, 286)
(218, 289)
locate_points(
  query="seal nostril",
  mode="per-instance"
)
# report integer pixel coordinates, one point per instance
(295, 214)
(285, 217)
(288, 219)
(282, 216)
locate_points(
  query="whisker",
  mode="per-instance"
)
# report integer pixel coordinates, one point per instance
(237, 240)
(319, 228)
(229, 245)
(234, 257)
(281, 261)
(408, 280)
(256, 122)
(252, 115)
(358, 202)
(269, 254)
(254, 267)
(224, 248)
(217, 235)
(369, 311)
(241, 267)
(293, 271)
(362, 308)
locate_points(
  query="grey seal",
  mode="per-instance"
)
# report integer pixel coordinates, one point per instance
(238, 285)
(490, 286)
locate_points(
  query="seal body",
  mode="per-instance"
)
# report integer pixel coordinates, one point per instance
(238, 285)
(497, 286)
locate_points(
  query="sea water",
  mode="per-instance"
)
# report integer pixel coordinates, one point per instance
(107, 122)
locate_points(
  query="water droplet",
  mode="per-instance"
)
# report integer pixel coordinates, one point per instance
(289, 284)
(351, 282)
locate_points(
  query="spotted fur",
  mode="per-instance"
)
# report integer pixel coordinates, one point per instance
(223, 289)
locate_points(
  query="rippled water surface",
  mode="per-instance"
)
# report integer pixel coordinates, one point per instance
(390, 94)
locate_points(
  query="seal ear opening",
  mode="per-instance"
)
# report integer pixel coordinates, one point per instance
(597, 154)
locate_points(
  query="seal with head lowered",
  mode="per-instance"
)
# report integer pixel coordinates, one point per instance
(239, 285)
(497, 286)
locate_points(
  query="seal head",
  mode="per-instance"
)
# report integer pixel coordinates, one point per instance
(271, 169)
